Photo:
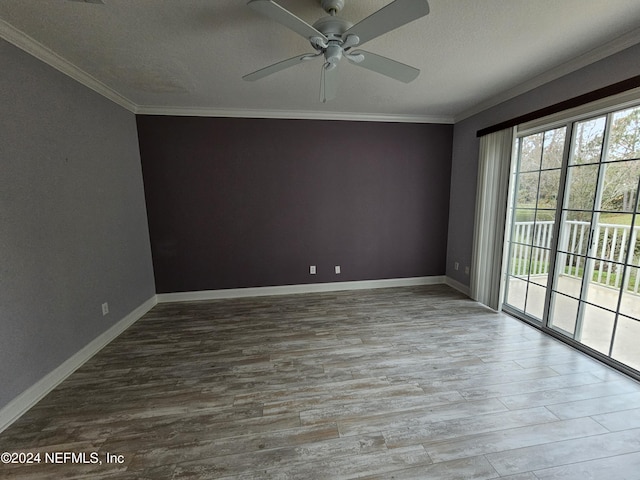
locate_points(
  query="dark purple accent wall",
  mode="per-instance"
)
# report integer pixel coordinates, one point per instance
(237, 202)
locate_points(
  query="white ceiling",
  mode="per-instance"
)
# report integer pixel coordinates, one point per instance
(188, 56)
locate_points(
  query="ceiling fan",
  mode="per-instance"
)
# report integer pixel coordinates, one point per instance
(334, 38)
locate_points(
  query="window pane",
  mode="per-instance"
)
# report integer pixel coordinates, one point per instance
(535, 301)
(625, 345)
(523, 227)
(570, 283)
(548, 189)
(599, 293)
(571, 265)
(524, 215)
(630, 303)
(553, 148)
(539, 269)
(624, 138)
(547, 215)
(582, 181)
(530, 152)
(634, 245)
(620, 186)
(527, 189)
(587, 143)
(597, 328)
(564, 312)
(520, 256)
(516, 293)
(574, 233)
(610, 243)
(543, 231)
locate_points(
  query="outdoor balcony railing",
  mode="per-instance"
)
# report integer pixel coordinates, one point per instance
(532, 249)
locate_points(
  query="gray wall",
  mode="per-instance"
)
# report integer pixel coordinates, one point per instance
(73, 228)
(253, 202)
(464, 170)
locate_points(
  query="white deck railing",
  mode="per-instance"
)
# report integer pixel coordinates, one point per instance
(609, 249)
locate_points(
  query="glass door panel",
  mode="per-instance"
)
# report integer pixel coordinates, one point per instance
(574, 263)
(537, 181)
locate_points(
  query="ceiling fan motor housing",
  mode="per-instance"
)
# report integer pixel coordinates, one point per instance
(332, 27)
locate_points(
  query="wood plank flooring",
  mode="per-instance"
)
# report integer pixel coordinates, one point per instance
(403, 383)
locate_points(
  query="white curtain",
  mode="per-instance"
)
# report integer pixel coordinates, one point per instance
(491, 211)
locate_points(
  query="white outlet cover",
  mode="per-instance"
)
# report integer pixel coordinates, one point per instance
(337, 269)
(312, 269)
(105, 308)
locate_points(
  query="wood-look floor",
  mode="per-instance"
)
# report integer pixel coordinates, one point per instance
(408, 383)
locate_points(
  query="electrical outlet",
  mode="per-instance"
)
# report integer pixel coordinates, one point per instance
(105, 308)
(312, 269)
(456, 266)
(337, 269)
(466, 270)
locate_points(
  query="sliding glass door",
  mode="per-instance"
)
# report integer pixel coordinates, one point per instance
(574, 252)
(573, 263)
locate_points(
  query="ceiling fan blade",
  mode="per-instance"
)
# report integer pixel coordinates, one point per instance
(386, 66)
(329, 82)
(388, 18)
(276, 67)
(283, 16)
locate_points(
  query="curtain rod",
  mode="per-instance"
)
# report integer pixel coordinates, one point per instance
(609, 90)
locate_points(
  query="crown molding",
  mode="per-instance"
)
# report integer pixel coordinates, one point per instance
(290, 114)
(36, 49)
(33, 47)
(623, 42)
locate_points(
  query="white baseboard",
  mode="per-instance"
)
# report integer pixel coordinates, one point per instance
(294, 289)
(461, 287)
(23, 402)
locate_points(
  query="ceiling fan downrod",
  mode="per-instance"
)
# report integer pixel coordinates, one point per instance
(332, 7)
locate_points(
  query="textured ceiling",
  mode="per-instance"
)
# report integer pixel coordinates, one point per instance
(176, 55)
